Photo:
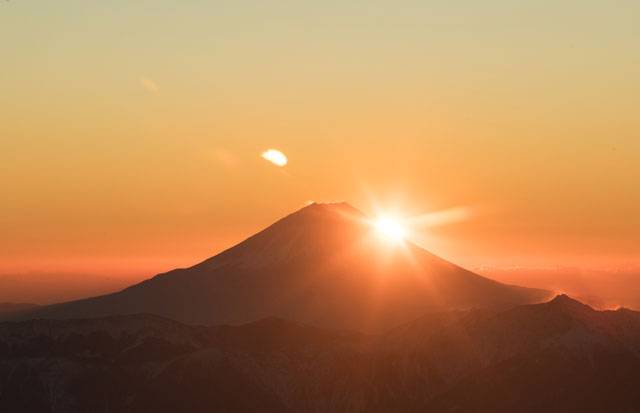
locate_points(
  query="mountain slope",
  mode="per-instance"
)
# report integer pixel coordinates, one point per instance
(321, 265)
(9, 309)
(559, 356)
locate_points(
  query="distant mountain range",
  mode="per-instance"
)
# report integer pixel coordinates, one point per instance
(559, 356)
(11, 309)
(321, 265)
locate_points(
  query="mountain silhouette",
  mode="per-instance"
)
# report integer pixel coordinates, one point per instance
(559, 356)
(8, 309)
(322, 265)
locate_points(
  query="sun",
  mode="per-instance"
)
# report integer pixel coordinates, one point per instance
(390, 229)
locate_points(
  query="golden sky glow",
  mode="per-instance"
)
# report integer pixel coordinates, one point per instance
(130, 132)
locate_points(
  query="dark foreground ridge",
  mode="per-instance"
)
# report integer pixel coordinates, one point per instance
(321, 265)
(560, 356)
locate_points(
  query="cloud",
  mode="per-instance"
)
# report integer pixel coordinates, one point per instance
(275, 157)
(149, 84)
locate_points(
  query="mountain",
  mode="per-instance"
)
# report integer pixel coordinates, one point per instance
(12, 309)
(321, 265)
(559, 356)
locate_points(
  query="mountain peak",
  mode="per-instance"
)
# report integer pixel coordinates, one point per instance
(565, 302)
(341, 207)
(332, 204)
(323, 216)
(563, 298)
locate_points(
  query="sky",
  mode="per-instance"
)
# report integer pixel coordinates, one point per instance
(131, 132)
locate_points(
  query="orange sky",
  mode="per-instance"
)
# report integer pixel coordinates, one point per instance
(131, 134)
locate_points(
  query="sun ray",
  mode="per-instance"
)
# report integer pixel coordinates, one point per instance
(442, 217)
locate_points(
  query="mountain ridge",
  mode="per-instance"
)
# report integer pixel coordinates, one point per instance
(482, 360)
